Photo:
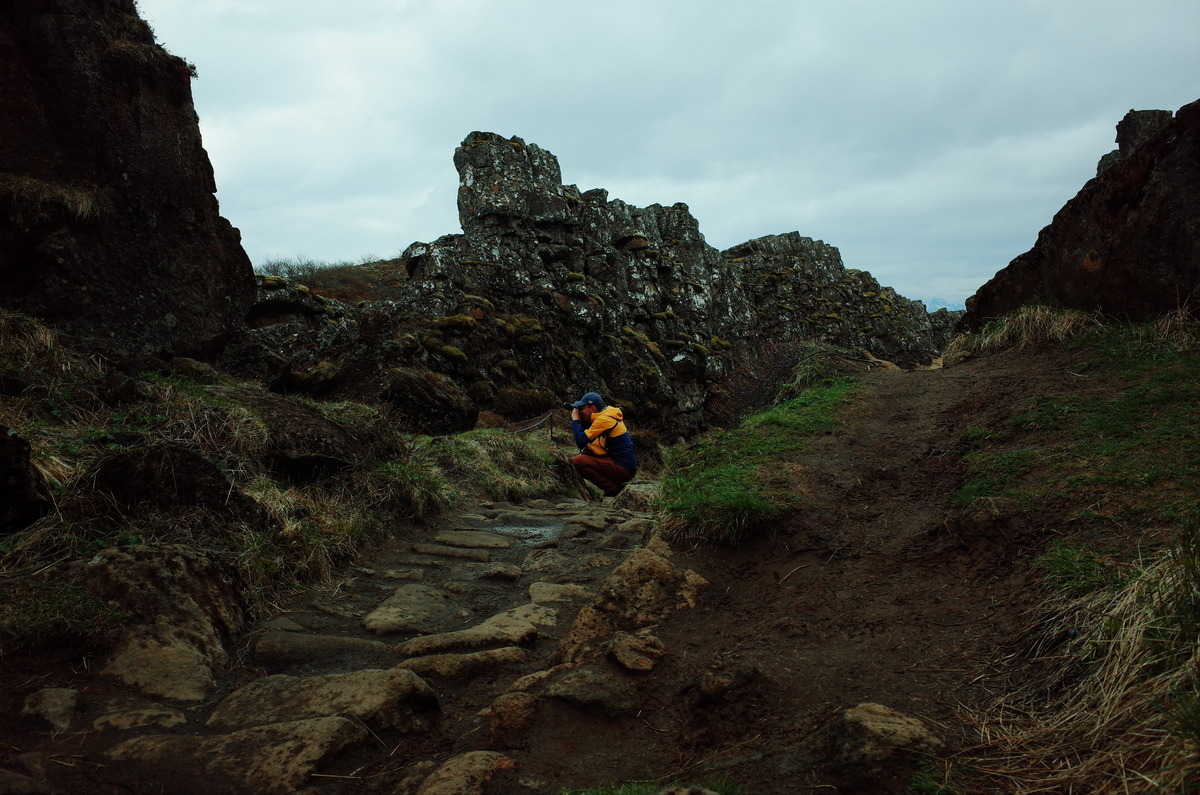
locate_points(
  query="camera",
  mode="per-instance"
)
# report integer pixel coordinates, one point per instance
(569, 406)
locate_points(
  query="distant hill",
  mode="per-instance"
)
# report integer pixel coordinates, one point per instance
(934, 304)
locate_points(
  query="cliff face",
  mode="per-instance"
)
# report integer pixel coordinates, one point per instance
(1129, 243)
(549, 292)
(110, 229)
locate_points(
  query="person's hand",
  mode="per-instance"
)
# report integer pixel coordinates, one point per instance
(575, 414)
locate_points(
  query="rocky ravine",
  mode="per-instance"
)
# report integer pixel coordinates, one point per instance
(539, 647)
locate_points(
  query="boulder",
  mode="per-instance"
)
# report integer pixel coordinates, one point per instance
(466, 774)
(642, 591)
(594, 689)
(510, 716)
(55, 705)
(182, 607)
(638, 651)
(302, 443)
(109, 224)
(1128, 244)
(277, 759)
(875, 748)
(170, 478)
(391, 699)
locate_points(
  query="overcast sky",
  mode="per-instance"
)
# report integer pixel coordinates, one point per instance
(929, 140)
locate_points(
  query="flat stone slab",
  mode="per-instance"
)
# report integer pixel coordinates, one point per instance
(415, 608)
(500, 571)
(160, 717)
(511, 627)
(446, 551)
(473, 539)
(279, 649)
(387, 699)
(271, 760)
(585, 522)
(557, 592)
(403, 574)
(453, 666)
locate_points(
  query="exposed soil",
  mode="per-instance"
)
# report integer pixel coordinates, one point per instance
(879, 590)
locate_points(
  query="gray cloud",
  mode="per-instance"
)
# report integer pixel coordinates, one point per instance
(928, 140)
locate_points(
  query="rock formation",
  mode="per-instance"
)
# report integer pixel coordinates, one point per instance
(550, 291)
(1129, 243)
(110, 229)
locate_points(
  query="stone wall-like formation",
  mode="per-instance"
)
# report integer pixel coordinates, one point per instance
(550, 291)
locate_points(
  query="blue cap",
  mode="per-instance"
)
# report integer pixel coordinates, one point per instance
(590, 399)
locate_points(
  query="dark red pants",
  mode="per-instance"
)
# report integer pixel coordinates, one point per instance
(603, 472)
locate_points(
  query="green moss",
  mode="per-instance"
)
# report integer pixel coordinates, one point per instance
(572, 276)
(646, 343)
(454, 354)
(482, 391)
(453, 323)
(480, 300)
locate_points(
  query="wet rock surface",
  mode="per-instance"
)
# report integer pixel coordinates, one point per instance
(427, 671)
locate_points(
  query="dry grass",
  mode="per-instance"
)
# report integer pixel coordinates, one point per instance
(1029, 325)
(1119, 709)
(1176, 330)
(37, 200)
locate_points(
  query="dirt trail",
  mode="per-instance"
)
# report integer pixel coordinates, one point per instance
(879, 590)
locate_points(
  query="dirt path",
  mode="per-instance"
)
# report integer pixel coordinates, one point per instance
(879, 590)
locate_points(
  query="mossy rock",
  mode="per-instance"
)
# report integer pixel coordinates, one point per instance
(455, 323)
(482, 391)
(454, 354)
(429, 402)
(517, 403)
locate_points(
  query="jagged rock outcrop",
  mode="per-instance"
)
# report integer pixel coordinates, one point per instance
(109, 228)
(550, 291)
(1129, 243)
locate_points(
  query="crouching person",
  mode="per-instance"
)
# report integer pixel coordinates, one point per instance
(606, 454)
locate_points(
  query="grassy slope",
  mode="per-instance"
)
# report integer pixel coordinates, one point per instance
(63, 411)
(1111, 478)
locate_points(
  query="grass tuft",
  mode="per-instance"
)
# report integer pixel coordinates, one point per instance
(1029, 325)
(500, 464)
(39, 610)
(722, 490)
(1119, 710)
